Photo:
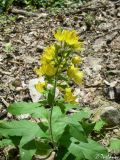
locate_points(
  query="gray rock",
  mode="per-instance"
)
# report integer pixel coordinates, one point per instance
(111, 115)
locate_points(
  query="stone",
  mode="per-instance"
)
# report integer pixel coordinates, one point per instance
(110, 115)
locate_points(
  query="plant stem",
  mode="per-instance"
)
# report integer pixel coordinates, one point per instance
(51, 111)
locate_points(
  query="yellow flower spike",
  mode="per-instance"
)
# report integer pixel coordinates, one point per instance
(76, 60)
(78, 77)
(69, 97)
(40, 86)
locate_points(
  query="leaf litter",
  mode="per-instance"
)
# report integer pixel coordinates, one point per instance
(28, 35)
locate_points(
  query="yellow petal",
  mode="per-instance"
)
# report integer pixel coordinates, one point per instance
(72, 71)
(59, 35)
(76, 60)
(68, 90)
(69, 97)
(40, 71)
(40, 86)
(78, 78)
(50, 70)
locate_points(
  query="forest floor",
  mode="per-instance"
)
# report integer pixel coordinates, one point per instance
(22, 41)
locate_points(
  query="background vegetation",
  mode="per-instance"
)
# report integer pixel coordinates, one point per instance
(5, 4)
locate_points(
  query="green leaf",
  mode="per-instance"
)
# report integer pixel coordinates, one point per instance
(69, 106)
(43, 147)
(27, 151)
(8, 3)
(18, 108)
(58, 124)
(63, 154)
(76, 129)
(75, 150)
(88, 127)
(34, 109)
(115, 145)
(64, 140)
(40, 112)
(58, 128)
(44, 126)
(56, 113)
(6, 142)
(69, 120)
(15, 140)
(99, 125)
(26, 129)
(90, 150)
(77, 132)
(79, 116)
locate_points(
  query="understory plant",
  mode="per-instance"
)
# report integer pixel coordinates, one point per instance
(56, 123)
(5, 5)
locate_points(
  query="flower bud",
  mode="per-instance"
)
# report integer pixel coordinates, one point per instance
(76, 60)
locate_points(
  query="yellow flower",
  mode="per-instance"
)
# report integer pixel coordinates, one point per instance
(48, 54)
(68, 90)
(78, 46)
(46, 69)
(50, 70)
(76, 60)
(75, 74)
(78, 78)
(72, 71)
(59, 35)
(69, 97)
(40, 86)
(68, 36)
(40, 71)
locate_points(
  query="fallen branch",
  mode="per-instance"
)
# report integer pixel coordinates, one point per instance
(4, 102)
(26, 13)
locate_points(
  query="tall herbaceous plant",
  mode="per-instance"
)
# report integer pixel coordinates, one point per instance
(57, 124)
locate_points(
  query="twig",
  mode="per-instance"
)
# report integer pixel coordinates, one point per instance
(28, 14)
(4, 72)
(4, 101)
